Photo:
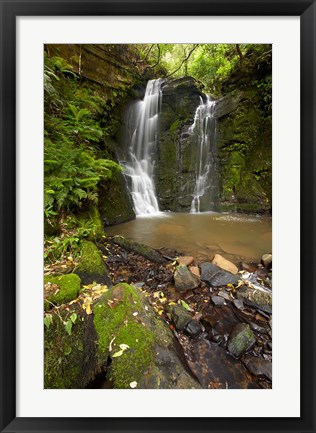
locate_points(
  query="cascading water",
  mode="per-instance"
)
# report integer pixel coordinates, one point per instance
(205, 184)
(142, 149)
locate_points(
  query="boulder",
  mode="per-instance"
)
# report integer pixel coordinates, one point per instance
(193, 329)
(261, 299)
(119, 336)
(180, 317)
(224, 264)
(241, 339)
(222, 278)
(184, 279)
(258, 366)
(217, 369)
(91, 267)
(150, 358)
(208, 270)
(266, 260)
(60, 289)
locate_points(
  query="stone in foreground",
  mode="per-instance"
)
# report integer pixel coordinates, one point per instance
(241, 339)
(184, 279)
(224, 264)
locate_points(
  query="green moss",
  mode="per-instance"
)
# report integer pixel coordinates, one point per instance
(91, 259)
(90, 219)
(69, 286)
(63, 354)
(119, 322)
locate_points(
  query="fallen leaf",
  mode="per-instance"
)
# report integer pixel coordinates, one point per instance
(117, 354)
(124, 346)
(133, 384)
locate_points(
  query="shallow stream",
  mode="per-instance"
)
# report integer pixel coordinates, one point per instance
(235, 236)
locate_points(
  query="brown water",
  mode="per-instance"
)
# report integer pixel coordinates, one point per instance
(235, 236)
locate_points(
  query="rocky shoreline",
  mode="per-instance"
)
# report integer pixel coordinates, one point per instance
(215, 318)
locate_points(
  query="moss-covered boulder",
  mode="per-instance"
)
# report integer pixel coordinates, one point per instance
(121, 337)
(91, 267)
(90, 219)
(70, 353)
(140, 345)
(60, 289)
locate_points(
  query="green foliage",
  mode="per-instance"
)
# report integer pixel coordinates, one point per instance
(73, 137)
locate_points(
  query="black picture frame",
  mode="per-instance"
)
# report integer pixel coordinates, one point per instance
(10, 9)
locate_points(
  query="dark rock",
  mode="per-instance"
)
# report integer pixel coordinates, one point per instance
(217, 369)
(218, 300)
(240, 339)
(256, 298)
(222, 320)
(137, 248)
(193, 329)
(238, 304)
(180, 317)
(208, 270)
(224, 295)
(184, 279)
(222, 278)
(258, 366)
(261, 329)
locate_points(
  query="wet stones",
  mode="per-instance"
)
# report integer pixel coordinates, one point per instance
(180, 317)
(266, 260)
(208, 270)
(241, 339)
(193, 329)
(217, 369)
(218, 300)
(222, 278)
(184, 279)
(215, 277)
(224, 264)
(258, 366)
(261, 299)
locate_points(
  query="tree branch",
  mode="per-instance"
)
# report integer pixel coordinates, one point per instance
(184, 60)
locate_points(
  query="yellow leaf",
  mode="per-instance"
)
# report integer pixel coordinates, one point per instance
(230, 285)
(117, 354)
(133, 384)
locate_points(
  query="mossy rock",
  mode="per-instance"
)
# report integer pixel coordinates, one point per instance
(91, 267)
(124, 317)
(61, 289)
(70, 357)
(137, 248)
(90, 219)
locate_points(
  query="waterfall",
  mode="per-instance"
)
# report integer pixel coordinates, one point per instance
(205, 183)
(140, 168)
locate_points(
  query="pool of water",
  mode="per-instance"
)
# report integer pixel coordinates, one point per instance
(235, 236)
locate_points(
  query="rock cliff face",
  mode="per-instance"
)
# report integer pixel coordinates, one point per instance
(176, 155)
(243, 141)
(106, 71)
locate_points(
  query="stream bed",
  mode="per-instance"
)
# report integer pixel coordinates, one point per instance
(236, 236)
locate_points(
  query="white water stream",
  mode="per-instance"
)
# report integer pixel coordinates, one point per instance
(204, 127)
(140, 169)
